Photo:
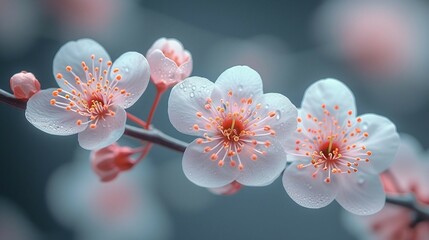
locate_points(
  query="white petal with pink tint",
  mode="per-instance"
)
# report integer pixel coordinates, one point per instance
(134, 69)
(52, 119)
(108, 131)
(244, 81)
(163, 68)
(383, 140)
(361, 193)
(265, 169)
(284, 123)
(72, 54)
(334, 94)
(307, 191)
(186, 99)
(204, 172)
(186, 67)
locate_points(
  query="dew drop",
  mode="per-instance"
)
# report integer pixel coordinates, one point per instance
(278, 114)
(240, 87)
(126, 69)
(193, 87)
(267, 106)
(191, 95)
(361, 181)
(365, 126)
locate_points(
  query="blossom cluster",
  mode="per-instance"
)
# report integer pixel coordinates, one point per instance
(245, 137)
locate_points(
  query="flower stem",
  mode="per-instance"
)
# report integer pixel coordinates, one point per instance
(159, 92)
(137, 120)
(144, 152)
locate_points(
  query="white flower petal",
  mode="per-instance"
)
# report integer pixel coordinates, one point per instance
(163, 68)
(72, 54)
(265, 169)
(307, 191)
(107, 131)
(204, 172)
(243, 81)
(360, 193)
(186, 99)
(284, 123)
(52, 119)
(186, 67)
(383, 141)
(332, 93)
(134, 69)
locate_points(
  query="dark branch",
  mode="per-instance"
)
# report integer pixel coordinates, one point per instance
(156, 136)
(409, 201)
(11, 100)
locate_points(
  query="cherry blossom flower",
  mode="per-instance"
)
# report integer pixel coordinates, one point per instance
(381, 38)
(109, 161)
(337, 155)
(24, 85)
(169, 62)
(126, 208)
(241, 129)
(408, 174)
(93, 94)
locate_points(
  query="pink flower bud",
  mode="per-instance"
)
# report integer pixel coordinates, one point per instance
(169, 62)
(229, 189)
(24, 85)
(108, 162)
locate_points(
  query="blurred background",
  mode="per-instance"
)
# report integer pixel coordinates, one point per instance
(47, 190)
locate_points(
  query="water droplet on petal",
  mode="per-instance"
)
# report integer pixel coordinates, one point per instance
(126, 69)
(191, 95)
(278, 114)
(364, 126)
(361, 181)
(240, 87)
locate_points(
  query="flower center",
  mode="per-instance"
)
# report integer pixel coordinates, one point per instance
(233, 129)
(93, 98)
(331, 146)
